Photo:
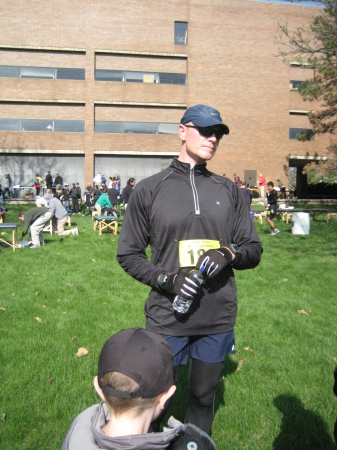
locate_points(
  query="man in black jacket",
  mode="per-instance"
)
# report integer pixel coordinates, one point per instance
(191, 218)
(49, 180)
(74, 198)
(127, 191)
(271, 204)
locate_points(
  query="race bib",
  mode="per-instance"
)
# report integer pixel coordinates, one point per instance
(191, 250)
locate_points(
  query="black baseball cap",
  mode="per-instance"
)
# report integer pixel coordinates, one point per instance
(204, 116)
(143, 356)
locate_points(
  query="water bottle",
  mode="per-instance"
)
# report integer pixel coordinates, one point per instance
(181, 304)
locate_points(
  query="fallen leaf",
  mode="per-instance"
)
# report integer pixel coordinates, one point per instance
(285, 279)
(246, 348)
(82, 352)
(71, 285)
(3, 309)
(3, 417)
(93, 260)
(74, 338)
(38, 319)
(240, 364)
(303, 311)
(37, 293)
(44, 306)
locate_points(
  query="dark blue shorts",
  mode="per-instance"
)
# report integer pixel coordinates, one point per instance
(212, 348)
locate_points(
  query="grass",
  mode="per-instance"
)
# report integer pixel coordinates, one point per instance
(276, 391)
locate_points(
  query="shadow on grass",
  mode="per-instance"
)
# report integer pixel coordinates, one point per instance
(301, 429)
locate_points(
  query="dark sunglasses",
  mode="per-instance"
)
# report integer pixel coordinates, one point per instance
(208, 131)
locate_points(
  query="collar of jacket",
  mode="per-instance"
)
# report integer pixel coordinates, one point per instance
(185, 168)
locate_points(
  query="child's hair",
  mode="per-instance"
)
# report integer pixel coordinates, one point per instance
(119, 406)
(270, 183)
(21, 214)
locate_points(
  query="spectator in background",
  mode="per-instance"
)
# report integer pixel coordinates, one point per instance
(49, 180)
(37, 184)
(7, 185)
(65, 197)
(262, 184)
(127, 191)
(237, 180)
(271, 203)
(87, 201)
(96, 194)
(58, 181)
(36, 219)
(103, 203)
(282, 189)
(60, 213)
(79, 194)
(118, 178)
(113, 195)
(74, 199)
(247, 193)
(97, 179)
(90, 189)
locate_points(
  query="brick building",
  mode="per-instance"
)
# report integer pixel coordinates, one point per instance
(88, 87)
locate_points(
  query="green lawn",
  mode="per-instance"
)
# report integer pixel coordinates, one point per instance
(276, 391)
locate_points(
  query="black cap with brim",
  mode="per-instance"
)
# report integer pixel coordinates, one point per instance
(143, 356)
(204, 116)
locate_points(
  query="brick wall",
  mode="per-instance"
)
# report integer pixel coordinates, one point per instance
(229, 62)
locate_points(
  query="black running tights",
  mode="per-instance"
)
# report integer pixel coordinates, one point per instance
(203, 379)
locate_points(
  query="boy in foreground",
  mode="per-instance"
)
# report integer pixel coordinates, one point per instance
(135, 379)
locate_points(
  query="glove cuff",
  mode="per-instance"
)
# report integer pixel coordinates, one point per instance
(236, 252)
(227, 253)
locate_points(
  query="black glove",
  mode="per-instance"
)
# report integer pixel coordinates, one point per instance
(183, 284)
(214, 261)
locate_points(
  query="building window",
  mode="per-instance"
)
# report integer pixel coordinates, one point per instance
(42, 125)
(140, 77)
(42, 72)
(180, 33)
(294, 132)
(294, 84)
(136, 127)
(298, 112)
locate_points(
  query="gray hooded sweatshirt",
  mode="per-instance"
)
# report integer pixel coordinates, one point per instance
(85, 433)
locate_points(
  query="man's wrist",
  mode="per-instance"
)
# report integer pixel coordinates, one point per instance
(162, 279)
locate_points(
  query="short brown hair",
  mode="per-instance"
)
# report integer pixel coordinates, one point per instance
(119, 406)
